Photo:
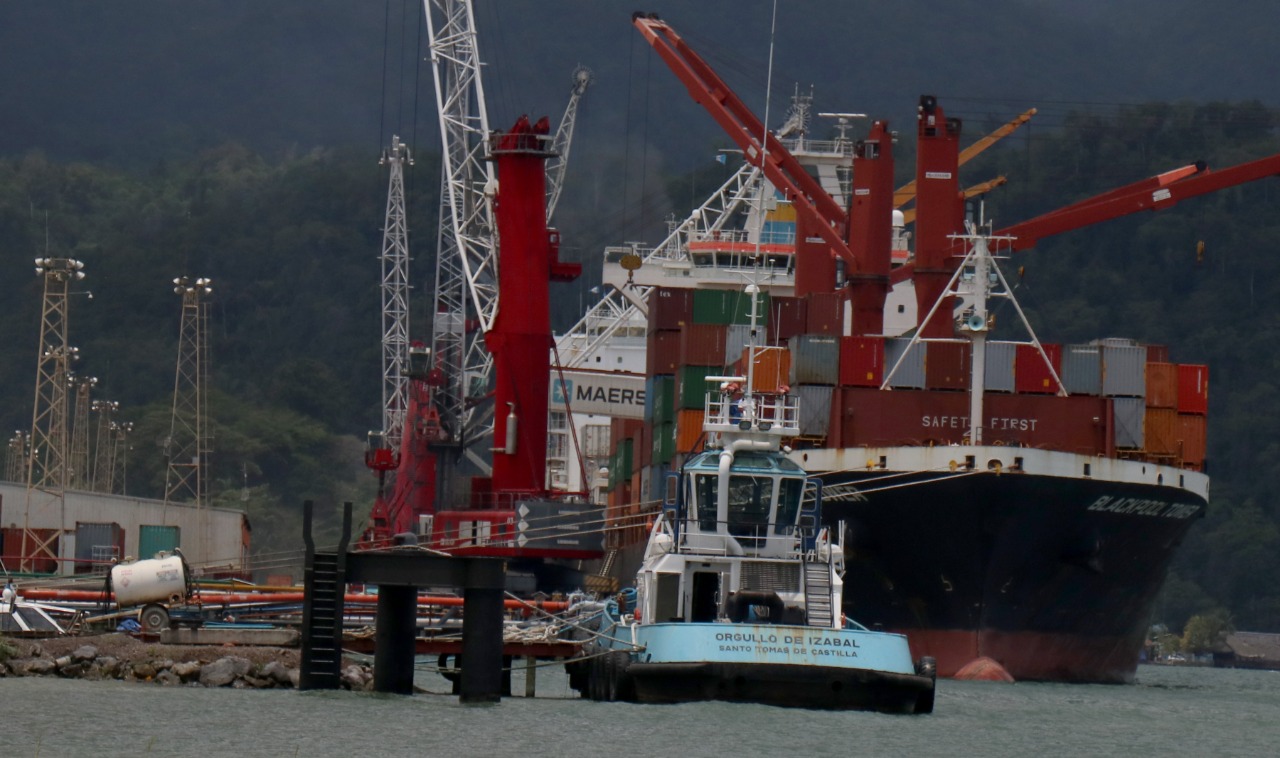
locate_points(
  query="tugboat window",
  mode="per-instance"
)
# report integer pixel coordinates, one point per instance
(749, 500)
(789, 492)
(707, 489)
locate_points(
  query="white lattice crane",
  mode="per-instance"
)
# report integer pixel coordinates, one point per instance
(559, 160)
(395, 297)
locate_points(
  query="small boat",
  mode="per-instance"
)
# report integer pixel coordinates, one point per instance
(739, 593)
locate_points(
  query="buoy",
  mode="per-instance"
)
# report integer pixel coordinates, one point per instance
(983, 670)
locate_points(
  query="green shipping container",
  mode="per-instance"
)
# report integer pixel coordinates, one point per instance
(664, 441)
(664, 399)
(154, 539)
(693, 386)
(728, 307)
(625, 459)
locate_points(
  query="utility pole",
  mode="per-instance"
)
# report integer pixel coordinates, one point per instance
(102, 445)
(186, 447)
(47, 465)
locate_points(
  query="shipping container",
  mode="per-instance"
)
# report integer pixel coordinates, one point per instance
(664, 399)
(1082, 369)
(1162, 385)
(1124, 370)
(664, 442)
(153, 538)
(946, 365)
(772, 370)
(1193, 388)
(1129, 415)
(824, 313)
(703, 345)
(998, 373)
(815, 359)
(97, 545)
(1030, 372)
(861, 361)
(1157, 353)
(19, 543)
(1191, 433)
(737, 338)
(1161, 432)
(726, 307)
(662, 353)
(909, 373)
(689, 431)
(815, 409)
(692, 385)
(670, 308)
(786, 319)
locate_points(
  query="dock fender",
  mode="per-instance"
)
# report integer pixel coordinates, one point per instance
(738, 607)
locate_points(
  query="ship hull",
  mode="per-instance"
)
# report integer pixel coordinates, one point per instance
(1051, 573)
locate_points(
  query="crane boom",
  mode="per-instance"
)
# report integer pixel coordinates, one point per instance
(559, 159)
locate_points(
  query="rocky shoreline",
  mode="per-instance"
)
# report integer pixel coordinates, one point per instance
(125, 658)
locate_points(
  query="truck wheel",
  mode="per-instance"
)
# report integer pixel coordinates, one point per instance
(153, 618)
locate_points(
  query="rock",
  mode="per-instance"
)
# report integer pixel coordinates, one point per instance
(145, 670)
(295, 676)
(84, 654)
(224, 671)
(73, 670)
(168, 678)
(35, 651)
(109, 666)
(277, 672)
(187, 670)
(164, 665)
(353, 677)
(258, 682)
(62, 662)
(39, 667)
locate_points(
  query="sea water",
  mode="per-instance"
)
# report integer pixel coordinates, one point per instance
(1168, 711)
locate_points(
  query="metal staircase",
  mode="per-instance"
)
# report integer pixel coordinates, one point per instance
(322, 611)
(817, 594)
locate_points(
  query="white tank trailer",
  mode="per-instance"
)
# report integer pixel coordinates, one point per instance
(154, 584)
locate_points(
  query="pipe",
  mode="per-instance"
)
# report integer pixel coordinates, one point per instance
(217, 598)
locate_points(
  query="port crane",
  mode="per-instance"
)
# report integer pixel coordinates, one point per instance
(448, 404)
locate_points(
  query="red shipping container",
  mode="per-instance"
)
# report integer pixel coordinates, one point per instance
(670, 308)
(1162, 385)
(15, 547)
(662, 353)
(1193, 389)
(772, 369)
(1157, 353)
(861, 361)
(824, 314)
(946, 366)
(1192, 435)
(786, 318)
(1030, 374)
(702, 344)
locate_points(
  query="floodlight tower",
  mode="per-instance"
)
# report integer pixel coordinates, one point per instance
(187, 446)
(47, 465)
(16, 462)
(101, 474)
(395, 298)
(117, 473)
(78, 459)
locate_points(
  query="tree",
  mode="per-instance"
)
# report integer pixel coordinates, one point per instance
(1207, 632)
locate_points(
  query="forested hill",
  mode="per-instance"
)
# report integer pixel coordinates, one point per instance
(238, 140)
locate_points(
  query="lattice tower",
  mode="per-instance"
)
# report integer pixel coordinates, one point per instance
(47, 464)
(395, 297)
(101, 474)
(187, 446)
(78, 477)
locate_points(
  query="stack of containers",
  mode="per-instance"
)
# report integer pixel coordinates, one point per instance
(1162, 407)
(1193, 408)
(814, 375)
(1122, 377)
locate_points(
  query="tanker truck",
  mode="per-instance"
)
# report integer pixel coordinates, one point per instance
(161, 586)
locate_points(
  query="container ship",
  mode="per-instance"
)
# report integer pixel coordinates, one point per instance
(1002, 497)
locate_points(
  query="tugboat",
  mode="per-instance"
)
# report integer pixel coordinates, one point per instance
(739, 594)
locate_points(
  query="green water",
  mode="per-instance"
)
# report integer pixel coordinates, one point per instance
(1169, 711)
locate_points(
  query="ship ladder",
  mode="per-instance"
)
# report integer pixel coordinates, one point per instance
(321, 632)
(817, 594)
(609, 559)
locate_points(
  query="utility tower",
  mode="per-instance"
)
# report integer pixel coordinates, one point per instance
(395, 298)
(47, 465)
(187, 446)
(101, 474)
(16, 462)
(78, 459)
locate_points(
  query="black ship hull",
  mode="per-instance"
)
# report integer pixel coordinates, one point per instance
(1051, 573)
